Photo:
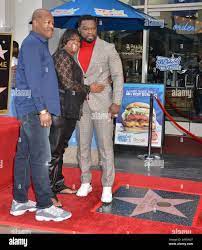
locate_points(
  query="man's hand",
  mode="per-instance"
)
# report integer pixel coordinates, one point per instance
(45, 119)
(14, 67)
(114, 110)
(96, 87)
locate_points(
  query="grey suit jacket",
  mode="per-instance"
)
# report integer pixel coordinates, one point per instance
(105, 67)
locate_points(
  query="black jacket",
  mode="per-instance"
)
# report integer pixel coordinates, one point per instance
(72, 90)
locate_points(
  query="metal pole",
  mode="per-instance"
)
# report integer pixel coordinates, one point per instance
(150, 126)
(145, 49)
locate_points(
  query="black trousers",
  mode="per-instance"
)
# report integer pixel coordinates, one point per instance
(60, 132)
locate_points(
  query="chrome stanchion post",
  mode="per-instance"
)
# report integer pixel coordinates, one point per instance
(150, 127)
(148, 158)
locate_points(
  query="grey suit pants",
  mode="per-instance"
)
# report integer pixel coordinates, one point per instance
(103, 126)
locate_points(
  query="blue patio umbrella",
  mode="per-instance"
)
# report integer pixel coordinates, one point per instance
(112, 15)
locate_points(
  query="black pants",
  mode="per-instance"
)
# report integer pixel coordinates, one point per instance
(60, 133)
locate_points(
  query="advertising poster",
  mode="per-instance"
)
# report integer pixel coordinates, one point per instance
(132, 123)
(5, 59)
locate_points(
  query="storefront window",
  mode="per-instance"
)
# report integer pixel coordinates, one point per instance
(157, 2)
(133, 2)
(181, 38)
(129, 47)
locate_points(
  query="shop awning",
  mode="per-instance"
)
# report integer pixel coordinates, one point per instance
(112, 15)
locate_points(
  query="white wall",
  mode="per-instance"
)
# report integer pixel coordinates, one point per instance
(10, 14)
(53, 42)
(48, 4)
(2, 13)
(23, 13)
(18, 14)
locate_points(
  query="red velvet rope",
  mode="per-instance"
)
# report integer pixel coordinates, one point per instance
(180, 112)
(176, 124)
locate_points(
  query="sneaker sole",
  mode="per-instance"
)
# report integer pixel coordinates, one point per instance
(41, 218)
(105, 201)
(21, 212)
(89, 190)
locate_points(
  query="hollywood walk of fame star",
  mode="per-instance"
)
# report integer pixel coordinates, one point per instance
(153, 202)
(2, 89)
(2, 52)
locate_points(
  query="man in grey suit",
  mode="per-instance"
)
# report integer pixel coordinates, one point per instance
(101, 64)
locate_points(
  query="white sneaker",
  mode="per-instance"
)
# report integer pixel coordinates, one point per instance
(52, 213)
(106, 195)
(84, 190)
(18, 208)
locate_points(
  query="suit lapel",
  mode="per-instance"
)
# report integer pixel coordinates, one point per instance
(95, 54)
(76, 57)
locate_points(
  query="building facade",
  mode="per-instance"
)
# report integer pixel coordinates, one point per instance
(179, 36)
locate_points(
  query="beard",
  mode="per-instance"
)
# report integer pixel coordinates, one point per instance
(89, 40)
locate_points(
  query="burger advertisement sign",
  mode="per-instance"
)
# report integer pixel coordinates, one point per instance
(132, 123)
(135, 117)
